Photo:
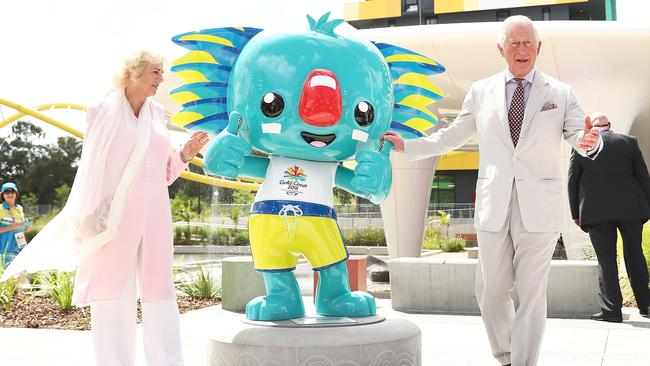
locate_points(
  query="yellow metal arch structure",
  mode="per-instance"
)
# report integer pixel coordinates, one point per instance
(35, 112)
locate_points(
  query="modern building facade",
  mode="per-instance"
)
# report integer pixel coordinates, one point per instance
(388, 13)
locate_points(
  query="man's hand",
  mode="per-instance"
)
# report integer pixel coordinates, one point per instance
(589, 140)
(395, 138)
(576, 221)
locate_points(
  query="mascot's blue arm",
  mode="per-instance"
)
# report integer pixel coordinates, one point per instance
(372, 177)
(254, 167)
(229, 154)
(343, 180)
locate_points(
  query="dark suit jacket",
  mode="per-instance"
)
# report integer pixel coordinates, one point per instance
(614, 186)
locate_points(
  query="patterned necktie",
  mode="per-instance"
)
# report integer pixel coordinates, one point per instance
(516, 111)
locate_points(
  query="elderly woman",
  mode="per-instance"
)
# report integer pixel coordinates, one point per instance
(12, 223)
(117, 226)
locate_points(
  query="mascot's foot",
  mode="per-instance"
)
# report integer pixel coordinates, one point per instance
(354, 304)
(272, 307)
(282, 302)
(333, 296)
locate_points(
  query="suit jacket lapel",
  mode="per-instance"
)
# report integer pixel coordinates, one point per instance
(500, 97)
(538, 92)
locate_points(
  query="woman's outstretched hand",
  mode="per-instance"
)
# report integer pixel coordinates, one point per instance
(194, 145)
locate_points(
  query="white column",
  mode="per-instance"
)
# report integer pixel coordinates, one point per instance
(404, 212)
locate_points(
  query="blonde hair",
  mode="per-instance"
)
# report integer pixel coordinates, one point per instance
(134, 66)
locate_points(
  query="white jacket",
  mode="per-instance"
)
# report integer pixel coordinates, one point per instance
(534, 165)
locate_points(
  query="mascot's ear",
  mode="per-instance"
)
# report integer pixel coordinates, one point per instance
(412, 88)
(205, 71)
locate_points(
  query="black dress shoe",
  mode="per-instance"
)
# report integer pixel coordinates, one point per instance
(645, 312)
(612, 318)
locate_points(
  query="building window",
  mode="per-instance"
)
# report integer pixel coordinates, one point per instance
(431, 20)
(392, 23)
(502, 15)
(443, 189)
(410, 6)
(546, 13)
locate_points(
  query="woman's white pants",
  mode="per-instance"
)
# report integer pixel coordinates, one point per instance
(113, 324)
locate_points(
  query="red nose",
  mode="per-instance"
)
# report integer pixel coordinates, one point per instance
(320, 101)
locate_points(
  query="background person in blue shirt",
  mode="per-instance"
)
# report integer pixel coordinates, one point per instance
(12, 222)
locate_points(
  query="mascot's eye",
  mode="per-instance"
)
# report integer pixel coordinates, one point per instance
(364, 114)
(272, 105)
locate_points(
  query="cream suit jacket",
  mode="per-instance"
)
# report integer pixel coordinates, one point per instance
(552, 113)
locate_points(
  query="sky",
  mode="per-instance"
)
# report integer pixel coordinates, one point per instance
(69, 50)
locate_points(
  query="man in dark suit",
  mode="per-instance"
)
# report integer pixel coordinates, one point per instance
(609, 193)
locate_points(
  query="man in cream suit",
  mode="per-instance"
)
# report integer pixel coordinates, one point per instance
(520, 117)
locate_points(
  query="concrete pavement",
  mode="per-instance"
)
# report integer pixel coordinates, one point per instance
(447, 340)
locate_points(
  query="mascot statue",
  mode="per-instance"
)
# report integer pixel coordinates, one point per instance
(305, 102)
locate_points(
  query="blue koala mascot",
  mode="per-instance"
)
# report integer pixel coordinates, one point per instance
(308, 100)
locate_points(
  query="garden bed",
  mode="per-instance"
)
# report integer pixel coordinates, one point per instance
(31, 311)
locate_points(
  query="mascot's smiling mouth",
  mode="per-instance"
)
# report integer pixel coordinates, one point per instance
(318, 140)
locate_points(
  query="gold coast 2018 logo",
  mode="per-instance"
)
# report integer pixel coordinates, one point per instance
(294, 180)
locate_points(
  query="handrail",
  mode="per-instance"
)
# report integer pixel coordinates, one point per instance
(35, 112)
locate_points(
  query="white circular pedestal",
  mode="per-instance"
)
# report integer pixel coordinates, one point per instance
(393, 342)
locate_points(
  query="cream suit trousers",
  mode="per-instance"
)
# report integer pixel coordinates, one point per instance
(514, 258)
(113, 324)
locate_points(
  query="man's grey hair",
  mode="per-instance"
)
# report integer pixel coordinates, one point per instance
(513, 21)
(599, 119)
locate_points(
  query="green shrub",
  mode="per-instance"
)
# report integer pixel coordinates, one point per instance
(200, 284)
(61, 194)
(178, 233)
(29, 235)
(7, 288)
(234, 215)
(435, 244)
(2, 263)
(202, 234)
(7, 292)
(39, 222)
(240, 238)
(220, 237)
(187, 234)
(183, 235)
(352, 238)
(432, 234)
(456, 244)
(374, 237)
(367, 237)
(60, 287)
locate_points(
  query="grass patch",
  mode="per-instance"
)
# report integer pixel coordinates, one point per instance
(200, 285)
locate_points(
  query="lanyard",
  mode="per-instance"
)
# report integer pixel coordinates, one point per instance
(6, 206)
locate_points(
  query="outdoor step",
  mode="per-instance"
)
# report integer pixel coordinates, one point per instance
(240, 283)
(435, 285)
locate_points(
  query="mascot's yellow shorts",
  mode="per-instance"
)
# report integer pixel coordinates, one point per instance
(281, 230)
